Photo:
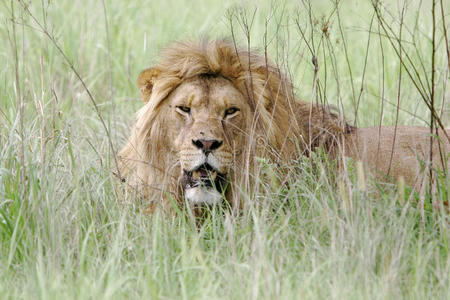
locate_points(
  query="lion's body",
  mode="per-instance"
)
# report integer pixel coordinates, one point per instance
(403, 152)
(210, 109)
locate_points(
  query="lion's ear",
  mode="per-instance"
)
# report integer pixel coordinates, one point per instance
(145, 82)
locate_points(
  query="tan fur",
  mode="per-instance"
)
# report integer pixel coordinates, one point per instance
(403, 153)
(210, 77)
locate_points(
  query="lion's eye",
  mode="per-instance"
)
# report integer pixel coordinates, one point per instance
(231, 111)
(185, 109)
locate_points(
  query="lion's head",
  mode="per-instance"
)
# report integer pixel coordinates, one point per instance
(209, 110)
(204, 121)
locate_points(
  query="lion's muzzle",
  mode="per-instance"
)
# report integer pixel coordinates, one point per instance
(205, 162)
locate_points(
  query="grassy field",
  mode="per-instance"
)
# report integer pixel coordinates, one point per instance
(63, 230)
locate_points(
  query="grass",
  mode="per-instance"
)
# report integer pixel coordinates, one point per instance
(63, 231)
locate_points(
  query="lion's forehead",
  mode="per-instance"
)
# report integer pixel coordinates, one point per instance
(214, 93)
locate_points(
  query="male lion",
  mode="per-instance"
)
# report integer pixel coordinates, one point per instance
(211, 108)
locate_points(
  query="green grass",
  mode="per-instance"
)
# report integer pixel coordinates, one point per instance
(65, 233)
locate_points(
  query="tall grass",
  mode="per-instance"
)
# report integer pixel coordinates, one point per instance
(64, 231)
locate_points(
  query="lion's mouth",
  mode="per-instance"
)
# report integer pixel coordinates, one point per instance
(203, 185)
(204, 175)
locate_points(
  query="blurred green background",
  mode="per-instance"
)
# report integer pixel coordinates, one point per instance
(63, 231)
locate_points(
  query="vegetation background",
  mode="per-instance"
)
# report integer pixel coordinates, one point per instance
(63, 231)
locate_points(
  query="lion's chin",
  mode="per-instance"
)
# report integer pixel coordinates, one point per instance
(201, 195)
(203, 186)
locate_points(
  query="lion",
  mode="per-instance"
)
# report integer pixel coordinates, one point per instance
(211, 109)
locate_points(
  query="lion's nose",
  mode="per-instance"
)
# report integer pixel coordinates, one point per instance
(207, 145)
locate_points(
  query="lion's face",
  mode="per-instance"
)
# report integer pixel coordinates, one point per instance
(206, 124)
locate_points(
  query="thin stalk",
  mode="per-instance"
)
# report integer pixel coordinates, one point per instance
(399, 87)
(347, 59)
(19, 95)
(383, 74)
(432, 94)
